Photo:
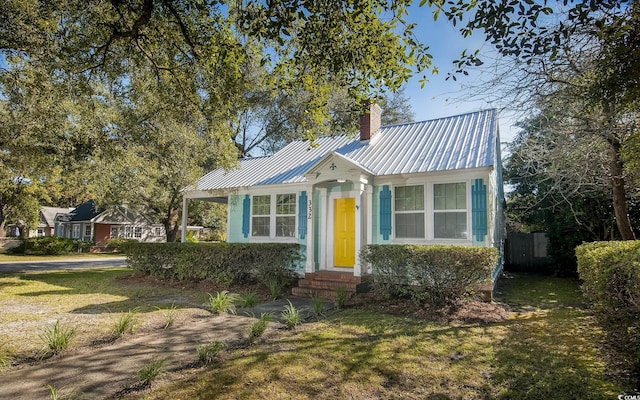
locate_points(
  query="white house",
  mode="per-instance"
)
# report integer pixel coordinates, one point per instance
(429, 182)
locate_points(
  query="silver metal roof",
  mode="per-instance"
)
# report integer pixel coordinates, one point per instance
(458, 142)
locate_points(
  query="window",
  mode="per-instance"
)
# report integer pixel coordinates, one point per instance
(261, 216)
(450, 211)
(76, 231)
(114, 232)
(286, 215)
(138, 232)
(40, 232)
(409, 212)
(87, 230)
(158, 231)
(273, 216)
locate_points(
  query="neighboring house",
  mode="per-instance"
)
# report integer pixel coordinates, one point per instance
(430, 182)
(46, 227)
(86, 222)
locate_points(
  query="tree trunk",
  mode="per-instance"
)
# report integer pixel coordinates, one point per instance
(171, 225)
(620, 207)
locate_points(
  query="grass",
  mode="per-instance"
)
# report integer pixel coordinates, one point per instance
(257, 329)
(71, 256)
(223, 302)
(29, 301)
(150, 372)
(208, 352)
(291, 316)
(248, 299)
(125, 323)
(547, 349)
(57, 338)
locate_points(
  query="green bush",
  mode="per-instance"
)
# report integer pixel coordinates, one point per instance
(436, 275)
(47, 245)
(224, 263)
(119, 244)
(610, 272)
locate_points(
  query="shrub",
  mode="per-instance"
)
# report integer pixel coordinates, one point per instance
(291, 316)
(57, 338)
(249, 299)
(125, 323)
(148, 373)
(342, 295)
(48, 245)
(318, 303)
(436, 275)
(258, 328)
(223, 302)
(223, 263)
(208, 352)
(119, 244)
(610, 272)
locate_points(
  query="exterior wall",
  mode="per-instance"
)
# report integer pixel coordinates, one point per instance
(428, 181)
(234, 219)
(101, 233)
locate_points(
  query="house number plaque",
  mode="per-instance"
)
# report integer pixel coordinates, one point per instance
(310, 210)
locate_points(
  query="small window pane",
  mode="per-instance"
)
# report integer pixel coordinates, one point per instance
(286, 226)
(260, 226)
(410, 225)
(261, 205)
(450, 196)
(450, 225)
(409, 198)
(286, 204)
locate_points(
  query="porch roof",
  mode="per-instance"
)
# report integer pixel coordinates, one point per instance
(459, 142)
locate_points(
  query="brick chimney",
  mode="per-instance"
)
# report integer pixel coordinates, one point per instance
(370, 121)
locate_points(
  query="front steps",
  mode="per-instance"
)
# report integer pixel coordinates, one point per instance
(325, 284)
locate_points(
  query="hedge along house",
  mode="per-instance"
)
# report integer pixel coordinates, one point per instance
(430, 182)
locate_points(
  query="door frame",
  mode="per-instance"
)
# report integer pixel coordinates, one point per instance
(328, 232)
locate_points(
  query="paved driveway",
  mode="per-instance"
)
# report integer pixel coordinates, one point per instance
(26, 266)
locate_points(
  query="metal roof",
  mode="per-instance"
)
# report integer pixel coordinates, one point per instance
(458, 142)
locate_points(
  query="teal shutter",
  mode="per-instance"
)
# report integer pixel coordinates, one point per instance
(479, 209)
(246, 215)
(385, 212)
(302, 215)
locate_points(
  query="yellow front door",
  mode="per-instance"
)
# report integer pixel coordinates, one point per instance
(344, 233)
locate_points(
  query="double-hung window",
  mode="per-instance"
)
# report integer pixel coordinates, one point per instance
(450, 211)
(261, 216)
(273, 216)
(286, 215)
(409, 212)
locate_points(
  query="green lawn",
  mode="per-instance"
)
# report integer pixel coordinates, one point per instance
(79, 256)
(548, 349)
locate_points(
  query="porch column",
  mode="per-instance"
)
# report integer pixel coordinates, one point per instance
(310, 266)
(185, 212)
(360, 232)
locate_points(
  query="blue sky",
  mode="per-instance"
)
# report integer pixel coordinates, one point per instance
(440, 97)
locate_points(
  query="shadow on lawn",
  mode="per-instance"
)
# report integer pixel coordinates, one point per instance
(142, 295)
(551, 350)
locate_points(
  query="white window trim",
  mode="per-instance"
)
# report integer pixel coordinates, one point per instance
(423, 212)
(429, 209)
(272, 218)
(466, 210)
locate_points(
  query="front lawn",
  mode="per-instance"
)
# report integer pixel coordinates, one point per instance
(547, 349)
(71, 256)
